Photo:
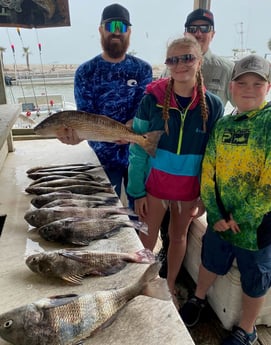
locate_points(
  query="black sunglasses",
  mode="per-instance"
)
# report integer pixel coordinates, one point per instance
(187, 59)
(204, 28)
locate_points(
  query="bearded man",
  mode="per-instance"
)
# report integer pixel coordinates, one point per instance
(111, 84)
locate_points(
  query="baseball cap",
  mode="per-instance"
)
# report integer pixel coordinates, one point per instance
(200, 14)
(115, 12)
(252, 64)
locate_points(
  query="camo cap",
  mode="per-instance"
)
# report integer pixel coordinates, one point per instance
(252, 64)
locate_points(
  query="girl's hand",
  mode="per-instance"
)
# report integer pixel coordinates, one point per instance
(141, 208)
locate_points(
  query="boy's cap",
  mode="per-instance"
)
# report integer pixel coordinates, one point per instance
(200, 14)
(252, 64)
(115, 12)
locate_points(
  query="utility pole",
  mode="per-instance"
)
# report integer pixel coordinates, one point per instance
(3, 98)
(206, 4)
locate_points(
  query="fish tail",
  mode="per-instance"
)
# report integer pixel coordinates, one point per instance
(151, 141)
(139, 226)
(153, 285)
(125, 210)
(144, 256)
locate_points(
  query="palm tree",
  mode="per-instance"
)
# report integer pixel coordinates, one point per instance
(26, 54)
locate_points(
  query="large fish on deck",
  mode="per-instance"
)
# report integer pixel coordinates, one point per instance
(42, 216)
(94, 127)
(73, 265)
(73, 188)
(41, 200)
(81, 231)
(60, 167)
(69, 319)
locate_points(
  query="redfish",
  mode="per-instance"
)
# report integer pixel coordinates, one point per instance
(72, 265)
(95, 127)
(69, 319)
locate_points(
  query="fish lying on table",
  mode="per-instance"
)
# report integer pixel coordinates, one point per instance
(43, 199)
(94, 174)
(95, 127)
(73, 265)
(69, 319)
(78, 189)
(76, 177)
(77, 203)
(81, 231)
(59, 167)
(64, 182)
(42, 216)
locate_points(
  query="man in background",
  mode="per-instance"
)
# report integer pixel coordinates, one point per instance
(111, 84)
(216, 72)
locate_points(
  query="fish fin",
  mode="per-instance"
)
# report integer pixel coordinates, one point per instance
(126, 210)
(138, 225)
(73, 279)
(73, 255)
(153, 285)
(113, 269)
(151, 141)
(80, 242)
(56, 301)
(144, 256)
(111, 200)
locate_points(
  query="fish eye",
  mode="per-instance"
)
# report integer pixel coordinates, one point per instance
(8, 324)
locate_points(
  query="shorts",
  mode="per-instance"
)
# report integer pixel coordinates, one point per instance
(217, 256)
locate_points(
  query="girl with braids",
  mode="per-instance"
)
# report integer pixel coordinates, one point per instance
(181, 106)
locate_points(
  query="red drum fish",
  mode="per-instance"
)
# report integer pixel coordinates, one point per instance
(95, 127)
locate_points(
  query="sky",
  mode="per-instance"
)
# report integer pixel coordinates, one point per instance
(154, 24)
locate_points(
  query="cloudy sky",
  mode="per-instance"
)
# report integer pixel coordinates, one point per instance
(155, 22)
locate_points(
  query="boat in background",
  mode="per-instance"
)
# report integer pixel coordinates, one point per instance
(38, 107)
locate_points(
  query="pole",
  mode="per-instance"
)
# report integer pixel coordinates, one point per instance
(3, 98)
(206, 4)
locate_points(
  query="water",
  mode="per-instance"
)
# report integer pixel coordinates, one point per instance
(66, 90)
(15, 91)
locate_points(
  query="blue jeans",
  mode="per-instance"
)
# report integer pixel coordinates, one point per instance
(116, 177)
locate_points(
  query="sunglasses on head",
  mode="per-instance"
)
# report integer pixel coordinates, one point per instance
(115, 25)
(187, 59)
(204, 28)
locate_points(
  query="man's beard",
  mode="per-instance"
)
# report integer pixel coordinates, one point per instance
(115, 49)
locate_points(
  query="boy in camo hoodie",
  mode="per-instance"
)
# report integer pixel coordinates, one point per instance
(236, 191)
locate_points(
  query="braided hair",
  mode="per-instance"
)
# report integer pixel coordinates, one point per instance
(186, 41)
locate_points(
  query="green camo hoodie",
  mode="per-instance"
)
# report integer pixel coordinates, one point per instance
(238, 157)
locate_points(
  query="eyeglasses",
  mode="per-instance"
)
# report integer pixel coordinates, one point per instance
(115, 25)
(187, 59)
(204, 29)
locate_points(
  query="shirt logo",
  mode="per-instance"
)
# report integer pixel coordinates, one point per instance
(131, 82)
(239, 137)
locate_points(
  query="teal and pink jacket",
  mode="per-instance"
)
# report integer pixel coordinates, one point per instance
(174, 172)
